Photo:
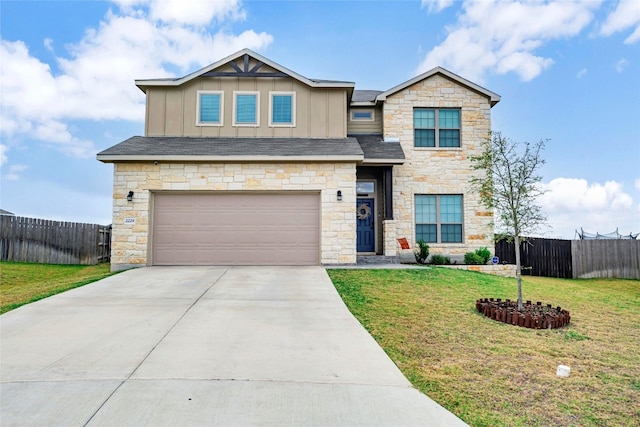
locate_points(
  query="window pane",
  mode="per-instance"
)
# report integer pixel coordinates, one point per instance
(426, 232)
(449, 138)
(424, 119)
(365, 187)
(449, 119)
(424, 138)
(451, 233)
(282, 109)
(451, 209)
(362, 115)
(425, 209)
(209, 108)
(245, 109)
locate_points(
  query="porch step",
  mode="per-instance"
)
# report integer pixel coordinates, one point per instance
(376, 259)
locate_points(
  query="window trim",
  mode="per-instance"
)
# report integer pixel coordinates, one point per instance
(439, 222)
(437, 128)
(210, 92)
(293, 109)
(362, 110)
(235, 108)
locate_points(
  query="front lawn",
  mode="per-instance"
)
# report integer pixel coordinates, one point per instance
(493, 374)
(22, 283)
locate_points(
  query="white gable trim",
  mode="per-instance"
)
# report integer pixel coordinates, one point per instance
(493, 97)
(142, 84)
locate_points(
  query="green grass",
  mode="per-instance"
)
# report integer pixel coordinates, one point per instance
(492, 374)
(22, 283)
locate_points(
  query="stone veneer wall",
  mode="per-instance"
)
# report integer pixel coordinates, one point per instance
(130, 242)
(437, 170)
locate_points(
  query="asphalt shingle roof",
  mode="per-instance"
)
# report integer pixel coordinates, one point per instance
(375, 148)
(365, 95)
(234, 147)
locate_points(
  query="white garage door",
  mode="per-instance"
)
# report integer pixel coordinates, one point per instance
(236, 229)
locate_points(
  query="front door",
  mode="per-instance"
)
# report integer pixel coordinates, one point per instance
(365, 217)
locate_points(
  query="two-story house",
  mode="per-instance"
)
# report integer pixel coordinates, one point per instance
(246, 162)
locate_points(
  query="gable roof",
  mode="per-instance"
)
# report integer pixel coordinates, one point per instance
(245, 54)
(494, 98)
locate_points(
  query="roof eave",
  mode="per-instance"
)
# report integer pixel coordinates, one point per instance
(169, 158)
(383, 162)
(363, 103)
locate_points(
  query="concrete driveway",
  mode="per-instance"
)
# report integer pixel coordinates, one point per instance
(190, 346)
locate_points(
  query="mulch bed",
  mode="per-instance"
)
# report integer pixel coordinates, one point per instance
(534, 316)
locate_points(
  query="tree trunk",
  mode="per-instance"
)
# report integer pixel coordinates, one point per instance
(516, 242)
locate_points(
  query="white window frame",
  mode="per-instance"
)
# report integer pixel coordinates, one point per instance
(359, 110)
(209, 92)
(293, 109)
(235, 108)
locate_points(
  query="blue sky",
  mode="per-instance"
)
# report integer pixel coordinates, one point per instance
(567, 71)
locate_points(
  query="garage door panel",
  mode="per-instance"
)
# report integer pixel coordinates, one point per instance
(236, 229)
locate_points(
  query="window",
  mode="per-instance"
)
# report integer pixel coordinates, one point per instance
(439, 218)
(209, 108)
(282, 109)
(362, 115)
(246, 108)
(365, 188)
(436, 128)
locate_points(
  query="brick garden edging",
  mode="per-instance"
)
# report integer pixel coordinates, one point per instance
(531, 316)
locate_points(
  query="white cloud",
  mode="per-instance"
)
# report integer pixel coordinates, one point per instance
(573, 203)
(96, 76)
(435, 6)
(15, 171)
(582, 73)
(637, 184)
(196, 12)
(503, 36)
(3, 154)
(621, 65)
(626, 15)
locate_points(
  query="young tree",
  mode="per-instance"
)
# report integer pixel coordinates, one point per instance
(510, 185)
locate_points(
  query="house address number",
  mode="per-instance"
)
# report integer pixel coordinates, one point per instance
(130, 220)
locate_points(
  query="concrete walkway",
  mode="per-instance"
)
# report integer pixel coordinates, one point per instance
(192, 346)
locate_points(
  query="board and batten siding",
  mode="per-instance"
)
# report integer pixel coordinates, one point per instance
(320, 113)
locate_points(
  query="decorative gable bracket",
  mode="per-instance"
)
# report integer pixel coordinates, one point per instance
(244, 71)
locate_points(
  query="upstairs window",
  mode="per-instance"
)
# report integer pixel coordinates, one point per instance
(436, 128)
(209, 108)
(362, 115)
(282, 108)
(439, 218)
(246, 109)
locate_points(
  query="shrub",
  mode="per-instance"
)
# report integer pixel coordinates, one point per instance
(472, 258)
(439, 260)
(422, 253)
(484, 254)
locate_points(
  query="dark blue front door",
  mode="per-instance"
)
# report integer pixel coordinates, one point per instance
(365, 217)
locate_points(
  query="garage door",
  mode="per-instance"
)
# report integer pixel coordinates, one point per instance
(236, 229)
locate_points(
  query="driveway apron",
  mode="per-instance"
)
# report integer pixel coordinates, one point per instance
(192, 346)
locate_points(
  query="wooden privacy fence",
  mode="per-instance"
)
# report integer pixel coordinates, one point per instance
(575, 258)
(606, 258)
(539, 257)
(53, 242)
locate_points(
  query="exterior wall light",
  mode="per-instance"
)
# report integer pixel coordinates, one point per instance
(339, 195)
(130, 196)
